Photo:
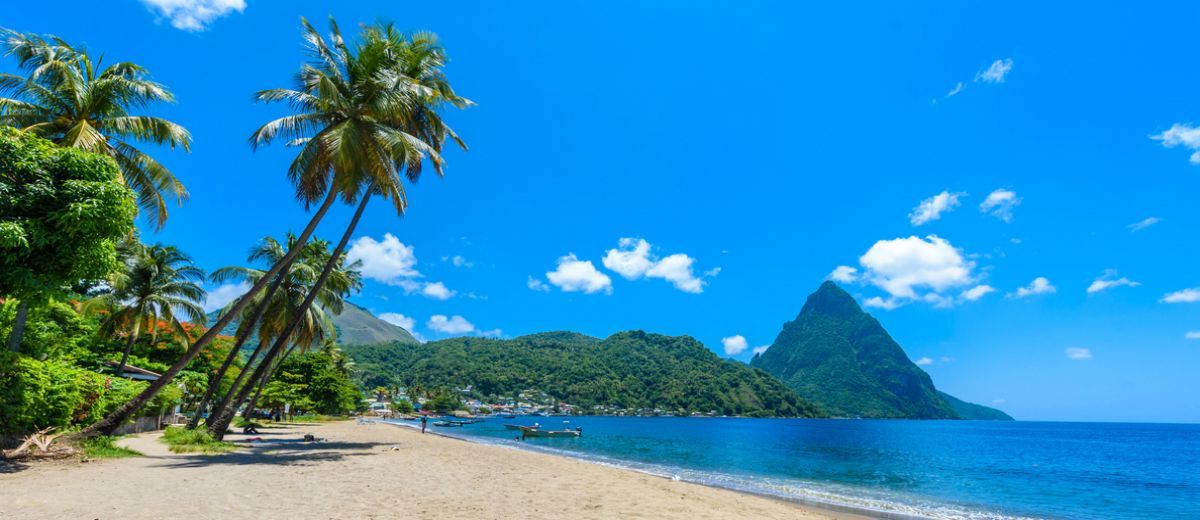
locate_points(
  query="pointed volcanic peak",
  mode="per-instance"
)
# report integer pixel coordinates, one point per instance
(355, 326)
(841, 358)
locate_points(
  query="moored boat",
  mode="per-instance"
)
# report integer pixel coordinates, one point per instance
(527, 432)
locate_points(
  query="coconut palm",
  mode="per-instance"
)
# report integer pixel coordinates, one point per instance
(266, 319)
(158, 284)
(76, 102)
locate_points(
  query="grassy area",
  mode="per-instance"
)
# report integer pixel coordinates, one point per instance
(315, 418)
(182, 440)
(104, 447)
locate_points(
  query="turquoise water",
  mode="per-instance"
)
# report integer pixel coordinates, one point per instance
(936, 469)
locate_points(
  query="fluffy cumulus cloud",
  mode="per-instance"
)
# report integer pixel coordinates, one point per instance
(924, 362)
(844, 274)
(1078, 354)
(450, 324)
(1181, 134)
(977, 292)
(1000, 204)
(221, 296)
(1143, 224)
(1108, 280)
(194, 15)
(633, 259)
(392, 262)
(734, 345)
(1039, 285)
(914, 268)
(575, 275)
(399, 320)
(387, 261)
(996, 72)
(932, 208)
(1183, 296)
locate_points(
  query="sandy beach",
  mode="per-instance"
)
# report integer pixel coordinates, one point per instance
(362, 471)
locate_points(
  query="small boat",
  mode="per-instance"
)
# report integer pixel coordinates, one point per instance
(451, 424)
(527, 432)
(520, 427)
(509, 416)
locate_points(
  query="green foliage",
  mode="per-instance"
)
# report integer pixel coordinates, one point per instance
(972, 411)
(402, 406)
(104, 447)
(443, 400)
(841, 358)
(62, 212)
(183, 440)
(53, 330)
(631, 370)
(312, 382)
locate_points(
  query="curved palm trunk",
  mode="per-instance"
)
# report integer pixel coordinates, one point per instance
(242, 336)
(133, 335)
(18, 329)
(253, 402)
(226, 417)
(110, 422)
(223, 414)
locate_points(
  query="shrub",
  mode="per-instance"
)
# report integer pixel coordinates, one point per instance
(104, 447)
(183, 440)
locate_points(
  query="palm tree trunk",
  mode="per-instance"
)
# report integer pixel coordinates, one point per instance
(242, 336)
(133, 335)
(226, 417)
(223, 414)
(114, 419)
(18, 328)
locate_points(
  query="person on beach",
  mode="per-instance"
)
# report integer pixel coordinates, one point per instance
(424, 420)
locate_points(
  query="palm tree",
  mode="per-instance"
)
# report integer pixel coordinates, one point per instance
(364, 117)
(265, 319)
(314, 329)
(75, 102)
(159, 284)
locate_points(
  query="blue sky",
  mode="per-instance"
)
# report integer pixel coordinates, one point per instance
(755, 147)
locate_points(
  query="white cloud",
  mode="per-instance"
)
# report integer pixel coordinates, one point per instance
(399, 320)
(734, 345)
(1181, 134)
(924, 362)
(193, 15)
(1078, 354)
(437, 291)
(537, 285)
(633, 259)
(1183, 296)
(1039, 285)
(575, 275)
(958, 87)
(223, 294)
(760, 350)
(1000, 204)
(712, 272)
(903, 265)
(881, 303)
(1108, 280)
(458, 261)
(844, 274)
(1143, 224)
(977, 292)
(995, 72)
(493, 333)
(1192, 334)
(386, 261)
(450, 325)
(932, 208)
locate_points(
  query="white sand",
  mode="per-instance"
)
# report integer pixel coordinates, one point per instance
(356, 474)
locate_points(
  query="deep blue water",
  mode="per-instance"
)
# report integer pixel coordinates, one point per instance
(939, 469)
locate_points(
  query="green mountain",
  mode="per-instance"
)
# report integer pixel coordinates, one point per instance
(355, 326)
(841, 358)
(628, 370)
(974, 411)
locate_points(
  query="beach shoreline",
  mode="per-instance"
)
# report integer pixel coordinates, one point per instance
(368, 470)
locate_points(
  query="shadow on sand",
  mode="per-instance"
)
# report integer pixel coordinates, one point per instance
(291, 451)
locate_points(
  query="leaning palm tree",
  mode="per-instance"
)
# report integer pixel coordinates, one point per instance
(76, 102)
(265, 319)
(314, 325)
(158, 284)
(363, 118)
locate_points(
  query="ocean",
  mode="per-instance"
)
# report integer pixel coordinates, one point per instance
(929, 469)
